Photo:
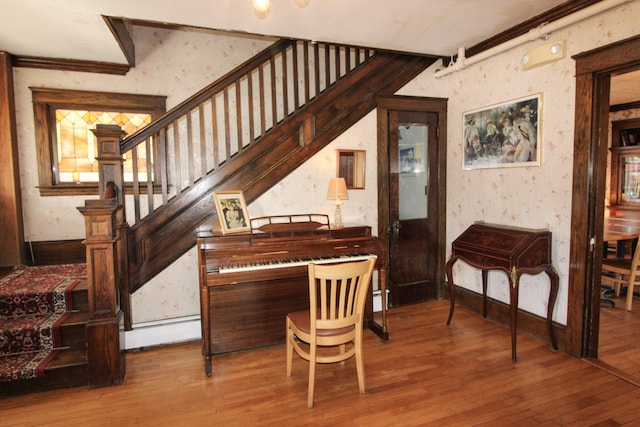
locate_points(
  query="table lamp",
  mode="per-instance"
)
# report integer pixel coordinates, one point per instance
(338, 192)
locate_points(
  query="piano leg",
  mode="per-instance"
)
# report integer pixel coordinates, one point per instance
(207, 365)
(381, 329)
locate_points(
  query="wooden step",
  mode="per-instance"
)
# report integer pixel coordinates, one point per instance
(69, 367)
(73, 331)
(80, 297)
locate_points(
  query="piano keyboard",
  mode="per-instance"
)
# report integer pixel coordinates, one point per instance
(237, 268)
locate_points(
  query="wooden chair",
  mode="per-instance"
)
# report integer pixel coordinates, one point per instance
(622, 271)
(335, 319)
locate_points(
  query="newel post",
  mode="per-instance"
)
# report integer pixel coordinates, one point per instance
(104, 245)
(112, 185)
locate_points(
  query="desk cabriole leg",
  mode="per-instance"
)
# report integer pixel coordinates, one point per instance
(513, 309)
(485, 275)
(553, 293)
(452, 295)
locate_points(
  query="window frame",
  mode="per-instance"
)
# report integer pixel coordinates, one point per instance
(46, 101)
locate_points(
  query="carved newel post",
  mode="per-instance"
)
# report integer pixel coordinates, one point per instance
(103, 219)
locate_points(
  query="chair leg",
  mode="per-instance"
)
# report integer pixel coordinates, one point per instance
(629, 296)
(289, 347)
(312, 374)
(359, 360)
(616, 286)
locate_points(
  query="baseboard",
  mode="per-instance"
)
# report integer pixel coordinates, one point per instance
(163, 332)
(377, 300)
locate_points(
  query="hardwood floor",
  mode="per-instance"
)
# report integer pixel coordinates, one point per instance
(619, 338)
(426, 374)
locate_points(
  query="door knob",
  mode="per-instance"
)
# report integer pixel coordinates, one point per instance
(396, 229)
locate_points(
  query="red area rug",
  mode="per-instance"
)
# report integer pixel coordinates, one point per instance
(34, 301)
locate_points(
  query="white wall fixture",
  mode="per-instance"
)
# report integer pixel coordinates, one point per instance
(544, 54)
(541, 32)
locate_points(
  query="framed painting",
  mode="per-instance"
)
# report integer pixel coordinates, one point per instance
(503, 135)
(232, 211)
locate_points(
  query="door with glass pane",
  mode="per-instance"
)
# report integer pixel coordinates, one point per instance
(412, 212)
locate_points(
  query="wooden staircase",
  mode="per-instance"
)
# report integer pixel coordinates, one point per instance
(301, 108)
(69, 368)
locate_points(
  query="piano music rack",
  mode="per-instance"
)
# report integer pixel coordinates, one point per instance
(286, 226)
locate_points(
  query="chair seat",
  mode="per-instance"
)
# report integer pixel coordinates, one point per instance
(302, 319)
(620, 272)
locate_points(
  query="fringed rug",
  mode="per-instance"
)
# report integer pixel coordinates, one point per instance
(34, 301)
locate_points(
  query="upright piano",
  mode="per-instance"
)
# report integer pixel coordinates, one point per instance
(249, 282)
(516, 251)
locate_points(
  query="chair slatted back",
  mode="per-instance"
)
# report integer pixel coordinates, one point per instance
(338, 293)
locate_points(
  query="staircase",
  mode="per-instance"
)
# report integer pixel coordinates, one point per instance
(247, 132)
(69, 367)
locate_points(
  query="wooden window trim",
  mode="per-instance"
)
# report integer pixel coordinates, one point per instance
(46, 101)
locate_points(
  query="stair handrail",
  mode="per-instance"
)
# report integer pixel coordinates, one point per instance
(170, 116)
(202, 133)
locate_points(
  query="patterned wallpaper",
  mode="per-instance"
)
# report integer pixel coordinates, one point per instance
(530, 197)
(178, 64)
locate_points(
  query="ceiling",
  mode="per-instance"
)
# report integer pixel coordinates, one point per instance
(75, 29)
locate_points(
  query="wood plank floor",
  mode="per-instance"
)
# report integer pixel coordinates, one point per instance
(619, 338)
(426, 374)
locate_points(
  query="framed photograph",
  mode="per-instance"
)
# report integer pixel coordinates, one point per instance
(503, 135)
(232, 211)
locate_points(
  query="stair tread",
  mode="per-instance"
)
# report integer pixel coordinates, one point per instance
(66, 358)
(76, 317)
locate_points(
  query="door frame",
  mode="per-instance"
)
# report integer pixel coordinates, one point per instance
(593, 77)
(438, 188)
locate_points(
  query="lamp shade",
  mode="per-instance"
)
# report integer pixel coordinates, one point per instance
(337, 189)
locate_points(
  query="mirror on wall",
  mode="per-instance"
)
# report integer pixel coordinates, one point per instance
(351, 165)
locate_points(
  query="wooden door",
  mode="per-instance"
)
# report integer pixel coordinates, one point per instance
(411, 194)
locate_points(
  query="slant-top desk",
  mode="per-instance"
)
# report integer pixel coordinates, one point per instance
(516, 251)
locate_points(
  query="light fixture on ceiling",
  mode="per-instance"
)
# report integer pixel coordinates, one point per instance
(261, 7)
(543, 54)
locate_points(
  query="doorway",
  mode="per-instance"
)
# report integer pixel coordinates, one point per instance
(619, 331)
(411, 195)
(594, 70)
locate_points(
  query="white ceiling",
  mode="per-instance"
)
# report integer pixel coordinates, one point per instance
(74, 29)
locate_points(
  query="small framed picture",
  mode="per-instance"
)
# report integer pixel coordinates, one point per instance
(232, 211)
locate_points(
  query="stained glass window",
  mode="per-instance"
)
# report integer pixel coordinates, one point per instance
(76, 144)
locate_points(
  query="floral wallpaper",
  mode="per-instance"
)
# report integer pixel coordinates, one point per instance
(529, 197)
(177, 64)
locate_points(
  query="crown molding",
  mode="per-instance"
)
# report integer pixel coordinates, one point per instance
(61, 64)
